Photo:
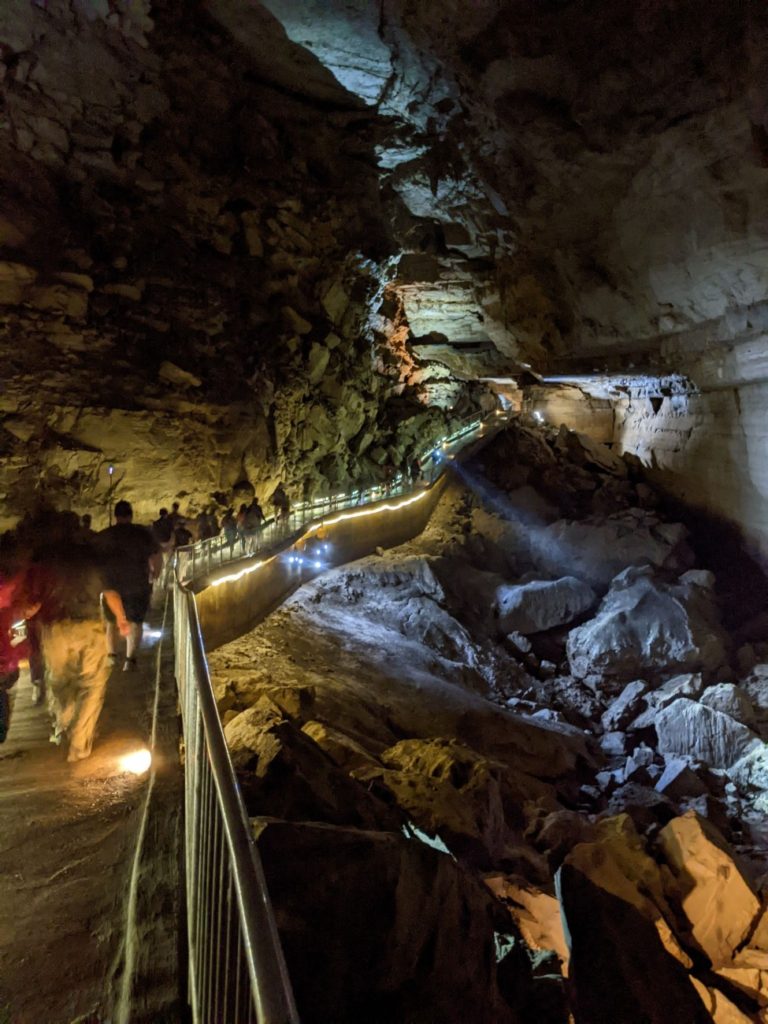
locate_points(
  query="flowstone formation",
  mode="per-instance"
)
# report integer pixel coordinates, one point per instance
(524, 754)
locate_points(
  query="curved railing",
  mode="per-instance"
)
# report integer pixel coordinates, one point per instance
(237, 972)
(196, 560)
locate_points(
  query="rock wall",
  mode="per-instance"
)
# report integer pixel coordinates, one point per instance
(274, 240)
(193, 241)
(705, 445)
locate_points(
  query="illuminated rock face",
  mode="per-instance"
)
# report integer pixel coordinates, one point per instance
(204, 212)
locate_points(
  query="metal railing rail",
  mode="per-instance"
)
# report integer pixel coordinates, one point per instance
(237, 973)
(195, 560)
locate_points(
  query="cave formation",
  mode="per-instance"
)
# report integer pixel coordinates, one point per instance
(298, 241)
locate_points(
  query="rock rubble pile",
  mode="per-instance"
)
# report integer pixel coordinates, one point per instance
(585, 750)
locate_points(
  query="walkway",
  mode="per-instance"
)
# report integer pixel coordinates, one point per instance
(67, 845)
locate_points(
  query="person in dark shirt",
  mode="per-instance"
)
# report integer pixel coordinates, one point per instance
(132, 559)
(64, 585)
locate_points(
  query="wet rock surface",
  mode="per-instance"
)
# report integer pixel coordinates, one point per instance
(645, 793)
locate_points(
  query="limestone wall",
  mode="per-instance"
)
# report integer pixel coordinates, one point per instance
(706, 444)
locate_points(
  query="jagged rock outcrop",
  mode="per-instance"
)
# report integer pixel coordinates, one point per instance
(394, 669)
(351, 953)
(645, 625)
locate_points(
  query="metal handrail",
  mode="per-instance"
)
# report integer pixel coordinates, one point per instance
(237, 972)
(198, 559)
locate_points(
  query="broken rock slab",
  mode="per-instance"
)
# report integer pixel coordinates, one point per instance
(686, 727)
(679, 781)
(645, 624)
(626, 706)
(382, 927)
(731, 700)
(619, 970)
(706, 885)
(542, 604)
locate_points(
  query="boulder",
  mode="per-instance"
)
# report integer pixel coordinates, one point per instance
(707, 887)
(615, 952)
(690, 684)
(284, 773)
(646, 808)
(750, 772)
(731, 700)
(685, 727)
(536, 913)
(596, 551)
(542, 604)
(376, 926)
(614, 744)
(616, 861)
(756, 688)
(625, 707)
(644, 625)
(678, 781)
(472, 802)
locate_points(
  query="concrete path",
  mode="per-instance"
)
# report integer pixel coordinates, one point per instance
(70, 876)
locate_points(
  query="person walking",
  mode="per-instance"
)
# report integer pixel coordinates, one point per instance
(64, 586)
(254, 520)
(132, 559)
(229, 529)
(280, 503)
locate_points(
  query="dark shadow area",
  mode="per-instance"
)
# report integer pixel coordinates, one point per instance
(742, 583)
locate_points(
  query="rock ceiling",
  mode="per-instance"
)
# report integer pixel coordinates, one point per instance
(245, 241)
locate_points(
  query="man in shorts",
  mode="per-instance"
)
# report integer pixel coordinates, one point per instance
(132, 559)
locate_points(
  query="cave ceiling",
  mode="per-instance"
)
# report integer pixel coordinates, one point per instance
(265, 240)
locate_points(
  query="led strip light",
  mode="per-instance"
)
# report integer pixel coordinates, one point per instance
(344, 516)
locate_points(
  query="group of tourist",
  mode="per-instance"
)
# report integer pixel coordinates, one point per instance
(83, 597)
(72, 599)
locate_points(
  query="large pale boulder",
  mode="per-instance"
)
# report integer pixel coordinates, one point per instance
(646, 626)
(686, 727)
(541, 604)
(705, 884)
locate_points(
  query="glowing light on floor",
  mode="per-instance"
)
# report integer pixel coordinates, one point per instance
(136, 763)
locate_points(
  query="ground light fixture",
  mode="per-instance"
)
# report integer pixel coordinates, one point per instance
(135, 763)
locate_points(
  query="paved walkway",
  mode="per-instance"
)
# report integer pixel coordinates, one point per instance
(68, 843)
